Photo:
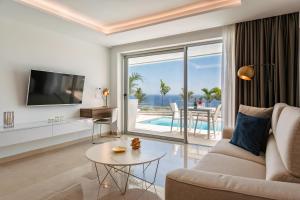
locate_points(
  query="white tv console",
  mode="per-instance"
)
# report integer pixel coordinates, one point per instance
(20, 134)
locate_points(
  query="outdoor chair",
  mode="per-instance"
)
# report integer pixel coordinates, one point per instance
(176, 115)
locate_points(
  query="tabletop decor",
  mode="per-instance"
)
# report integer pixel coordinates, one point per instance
(8, 119)
(135, 143)
(119, 149)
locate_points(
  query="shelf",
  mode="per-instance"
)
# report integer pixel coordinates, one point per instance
(23, 134)
(39, 124)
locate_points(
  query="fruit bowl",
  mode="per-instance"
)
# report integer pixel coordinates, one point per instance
(119, 149)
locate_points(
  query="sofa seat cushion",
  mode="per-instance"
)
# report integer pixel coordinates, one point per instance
(223, 164)
(224, 147)
(275, 170)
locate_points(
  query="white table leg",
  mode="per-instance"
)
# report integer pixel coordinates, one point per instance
(208, 124)
(128, 173)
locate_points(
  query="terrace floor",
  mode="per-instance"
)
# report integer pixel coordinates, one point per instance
(200, 137)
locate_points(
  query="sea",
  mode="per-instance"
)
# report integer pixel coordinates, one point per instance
(155, 100)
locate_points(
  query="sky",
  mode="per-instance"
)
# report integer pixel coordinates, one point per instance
(203, 72)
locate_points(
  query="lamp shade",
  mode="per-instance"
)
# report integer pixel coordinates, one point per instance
(246, 72)
(105, 92)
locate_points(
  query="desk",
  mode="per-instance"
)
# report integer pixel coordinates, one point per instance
(96, 112)
(208, 110)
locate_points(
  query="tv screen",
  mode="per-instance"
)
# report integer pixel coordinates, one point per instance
(49, 88)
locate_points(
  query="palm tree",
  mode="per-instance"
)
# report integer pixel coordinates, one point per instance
(132, 82)
(217, 93)
(189, 95)
(214, 93)
(208, 94)
(139, 95)
(164, 89)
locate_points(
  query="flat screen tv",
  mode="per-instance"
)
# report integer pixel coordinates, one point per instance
(50, 88)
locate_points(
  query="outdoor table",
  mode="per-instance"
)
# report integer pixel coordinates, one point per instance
(207, 110)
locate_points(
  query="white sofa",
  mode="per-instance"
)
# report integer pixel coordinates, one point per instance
(228, 172)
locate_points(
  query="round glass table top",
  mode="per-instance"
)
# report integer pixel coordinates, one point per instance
(103, 153)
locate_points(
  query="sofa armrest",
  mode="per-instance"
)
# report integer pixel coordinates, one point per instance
(227, 133)
(184, 184)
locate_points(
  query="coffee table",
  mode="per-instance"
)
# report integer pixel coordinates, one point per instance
(112, 162)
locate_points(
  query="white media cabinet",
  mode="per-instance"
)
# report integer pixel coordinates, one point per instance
(21, 134)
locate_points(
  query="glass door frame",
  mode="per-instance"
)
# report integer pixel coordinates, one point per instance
(175, 49)
(125, 89)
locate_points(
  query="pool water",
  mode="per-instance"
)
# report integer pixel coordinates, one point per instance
(167, 121)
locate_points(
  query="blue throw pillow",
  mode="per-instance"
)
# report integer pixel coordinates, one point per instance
(251, 133)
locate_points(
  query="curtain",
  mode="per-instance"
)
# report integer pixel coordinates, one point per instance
(228, 77)
(273, 40)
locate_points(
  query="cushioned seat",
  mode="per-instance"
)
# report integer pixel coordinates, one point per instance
(224, 147)
(275, 169)
(287, 137)
(229, 172)
(223, 164)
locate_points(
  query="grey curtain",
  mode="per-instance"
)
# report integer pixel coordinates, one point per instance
(262, 42)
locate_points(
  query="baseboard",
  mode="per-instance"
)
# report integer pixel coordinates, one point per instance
(42, 150)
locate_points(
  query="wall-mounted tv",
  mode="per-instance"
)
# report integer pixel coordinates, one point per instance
(50, 88)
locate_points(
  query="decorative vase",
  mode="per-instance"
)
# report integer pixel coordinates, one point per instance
(8, 119)
(135, 143)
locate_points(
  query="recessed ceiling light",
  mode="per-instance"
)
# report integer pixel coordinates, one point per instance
(184, 11)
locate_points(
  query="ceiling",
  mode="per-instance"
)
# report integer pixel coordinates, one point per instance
(121, 10)
(110, 17)
(115, 22)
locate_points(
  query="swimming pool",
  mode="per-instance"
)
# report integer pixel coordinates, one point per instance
(167, 121)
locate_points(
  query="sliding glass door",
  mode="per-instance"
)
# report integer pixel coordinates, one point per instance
(154, 100)
(204, 93)
(175, 94)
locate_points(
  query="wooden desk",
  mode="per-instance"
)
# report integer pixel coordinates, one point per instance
(96, 112)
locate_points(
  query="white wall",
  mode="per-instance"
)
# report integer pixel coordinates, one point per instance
(116, 65)
(23, 47)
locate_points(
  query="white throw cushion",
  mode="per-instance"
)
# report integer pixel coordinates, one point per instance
(275, 170)
(276, 113)
(288, 139)
(256, 111)
(219, 163)
(224, 147)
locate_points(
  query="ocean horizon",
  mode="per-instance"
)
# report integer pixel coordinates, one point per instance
(155, 100)
(203, 72)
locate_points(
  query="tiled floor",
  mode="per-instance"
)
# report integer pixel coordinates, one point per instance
(67, 174)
